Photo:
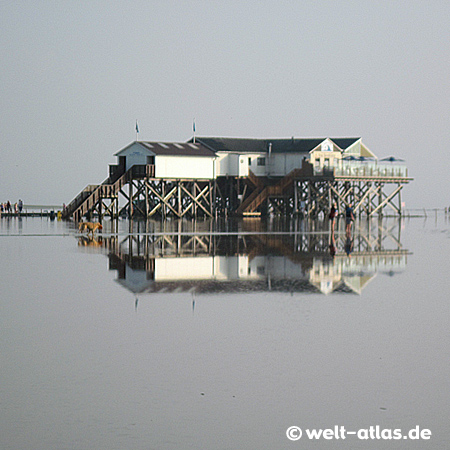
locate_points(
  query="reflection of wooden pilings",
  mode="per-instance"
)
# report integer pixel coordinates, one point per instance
(186, 238)
(130, 196)
(380, 201)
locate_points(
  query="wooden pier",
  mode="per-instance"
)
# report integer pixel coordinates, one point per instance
(44, 213)
(28, 214)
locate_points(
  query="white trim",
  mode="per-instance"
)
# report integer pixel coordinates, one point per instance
(131, 145)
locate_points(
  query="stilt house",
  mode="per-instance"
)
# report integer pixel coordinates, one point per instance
(238, 176)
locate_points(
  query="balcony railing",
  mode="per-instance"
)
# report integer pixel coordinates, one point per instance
(365, 169)
(143, 171)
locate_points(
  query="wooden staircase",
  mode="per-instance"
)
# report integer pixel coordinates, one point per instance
(79, 200)
(262, 192)
(257, 181)
(258, 188)
(89, 197)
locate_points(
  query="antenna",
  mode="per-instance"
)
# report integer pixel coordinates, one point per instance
(269, 158)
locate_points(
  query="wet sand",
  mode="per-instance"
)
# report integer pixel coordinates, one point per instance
(96, 355)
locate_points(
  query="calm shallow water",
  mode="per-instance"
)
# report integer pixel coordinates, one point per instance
(179, 336)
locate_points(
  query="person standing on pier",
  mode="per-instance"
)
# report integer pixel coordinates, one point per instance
(20, 205)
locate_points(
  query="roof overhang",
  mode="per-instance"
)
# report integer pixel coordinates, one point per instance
(131, 145)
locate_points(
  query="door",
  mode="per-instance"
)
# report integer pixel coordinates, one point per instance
(243, 166)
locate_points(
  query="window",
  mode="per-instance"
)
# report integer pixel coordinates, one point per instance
(261, 161)
(249, 161)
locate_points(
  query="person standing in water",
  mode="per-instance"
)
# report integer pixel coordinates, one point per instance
(349, 218)
(332, 216)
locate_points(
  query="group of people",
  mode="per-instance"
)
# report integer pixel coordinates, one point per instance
(349, 218)
(8, 208)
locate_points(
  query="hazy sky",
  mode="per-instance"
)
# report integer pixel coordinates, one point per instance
(75, 76)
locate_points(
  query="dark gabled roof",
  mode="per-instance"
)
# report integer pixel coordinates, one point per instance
(289, 145)
(294, 145)
(344, 143)
(244, 145)
(178, 149)
(238, 145)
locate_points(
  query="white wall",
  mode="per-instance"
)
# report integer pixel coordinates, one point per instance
(276, 165)
(201, 268)
(354, 149)
(222, 164)
(319, 159)
(186, 268)
(226, 268)
(229, 164)
(225, 164)
(184, 167)
(233, 164)
(325, 155)
(283, 163)
(259, 171)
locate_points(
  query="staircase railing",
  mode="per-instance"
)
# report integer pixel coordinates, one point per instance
(104, 190)
(252, 202)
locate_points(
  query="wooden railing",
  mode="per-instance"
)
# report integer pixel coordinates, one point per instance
(110, 188)
(254, 200)
(143, 171)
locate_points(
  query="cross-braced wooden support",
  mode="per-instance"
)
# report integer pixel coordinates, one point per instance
(367, 197)
(162, 198)
(137, 193)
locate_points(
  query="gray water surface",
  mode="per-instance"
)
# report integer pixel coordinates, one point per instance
(197, 336)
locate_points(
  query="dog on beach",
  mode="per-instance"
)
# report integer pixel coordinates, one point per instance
(90, 227)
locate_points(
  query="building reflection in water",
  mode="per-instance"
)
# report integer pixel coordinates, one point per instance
(253, 258)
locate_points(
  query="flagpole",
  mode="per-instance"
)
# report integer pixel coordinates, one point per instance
(193, 128)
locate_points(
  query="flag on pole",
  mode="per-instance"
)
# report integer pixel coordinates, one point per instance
(193, 126)
(137, 127)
